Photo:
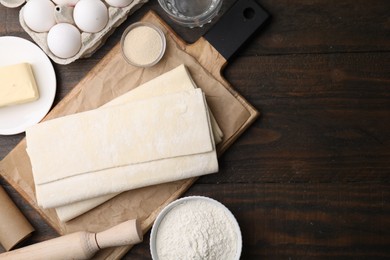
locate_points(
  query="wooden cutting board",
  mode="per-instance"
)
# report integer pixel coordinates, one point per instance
(113, 77)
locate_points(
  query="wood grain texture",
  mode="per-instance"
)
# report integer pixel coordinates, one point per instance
(108, 80)
(311, 177)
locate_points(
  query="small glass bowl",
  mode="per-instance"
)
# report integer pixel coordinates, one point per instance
(163, 44)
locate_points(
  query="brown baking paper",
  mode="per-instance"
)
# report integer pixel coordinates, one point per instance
(14, 227)
(111, 78)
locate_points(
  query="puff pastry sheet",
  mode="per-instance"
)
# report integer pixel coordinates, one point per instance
(121, 147)
(178, 79)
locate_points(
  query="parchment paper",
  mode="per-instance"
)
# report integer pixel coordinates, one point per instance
(109, 79)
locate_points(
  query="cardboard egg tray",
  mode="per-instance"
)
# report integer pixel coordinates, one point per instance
(90, 42)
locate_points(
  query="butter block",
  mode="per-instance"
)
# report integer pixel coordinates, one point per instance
(17, 84)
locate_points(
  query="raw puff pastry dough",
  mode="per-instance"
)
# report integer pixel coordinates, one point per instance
(122, 147)
(177, 79)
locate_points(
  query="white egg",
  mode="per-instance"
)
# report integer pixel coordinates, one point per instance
(39, 15)
(119, 3)
(66, 2)
(64, 40)
(12, 3)
(90, 15)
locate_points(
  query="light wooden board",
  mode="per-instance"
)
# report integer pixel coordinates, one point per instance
(111, 78)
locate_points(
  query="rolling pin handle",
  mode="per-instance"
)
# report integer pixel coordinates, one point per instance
(79, 245)
(126, 233)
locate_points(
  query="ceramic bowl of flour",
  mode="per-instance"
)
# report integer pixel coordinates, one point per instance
(195, 227)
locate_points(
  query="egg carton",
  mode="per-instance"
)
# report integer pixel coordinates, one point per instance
(90, 42)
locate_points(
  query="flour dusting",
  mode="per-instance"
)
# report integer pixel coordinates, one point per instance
(196, 229)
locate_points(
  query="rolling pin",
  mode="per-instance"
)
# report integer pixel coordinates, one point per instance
(80, 245)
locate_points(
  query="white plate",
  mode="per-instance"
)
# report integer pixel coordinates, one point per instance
(15, 119)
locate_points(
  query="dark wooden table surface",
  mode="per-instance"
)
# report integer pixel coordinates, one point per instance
(311, 177)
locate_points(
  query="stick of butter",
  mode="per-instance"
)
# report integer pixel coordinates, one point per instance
(17, 85)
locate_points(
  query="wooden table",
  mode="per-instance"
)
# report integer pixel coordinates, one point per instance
(311, 177)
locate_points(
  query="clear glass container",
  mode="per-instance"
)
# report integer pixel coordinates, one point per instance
(144, 48)
(191, 13)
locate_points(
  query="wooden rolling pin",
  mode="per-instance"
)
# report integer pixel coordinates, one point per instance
(80, 245)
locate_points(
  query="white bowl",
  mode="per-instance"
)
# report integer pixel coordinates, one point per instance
(169, 207)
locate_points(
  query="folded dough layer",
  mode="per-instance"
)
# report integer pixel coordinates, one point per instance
(126, 178)
(116, 148)
(73, 210)
(175, 80)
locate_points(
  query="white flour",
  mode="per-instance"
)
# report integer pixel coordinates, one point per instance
(196, 229)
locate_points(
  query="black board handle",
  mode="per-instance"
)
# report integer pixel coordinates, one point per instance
(236, 26)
